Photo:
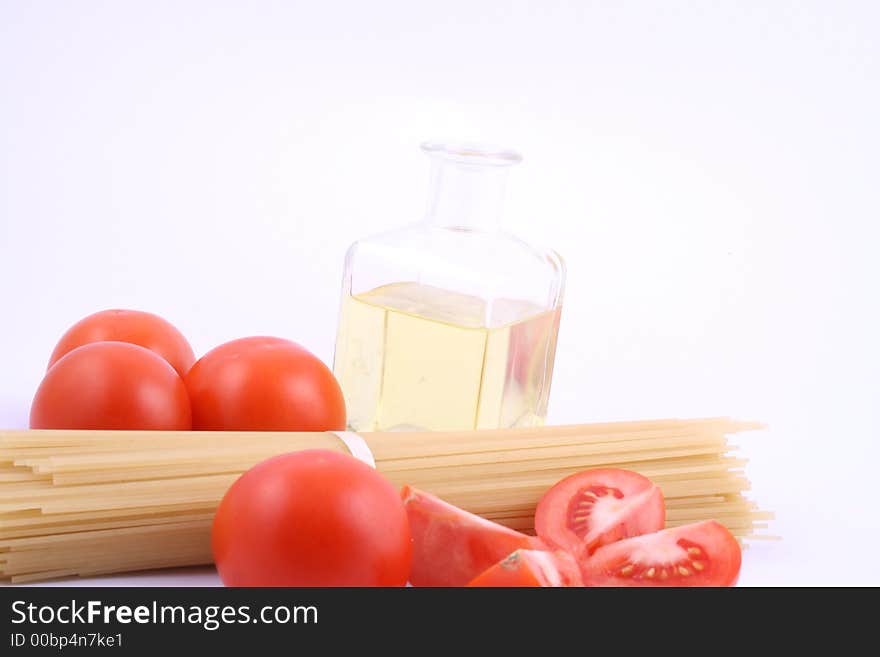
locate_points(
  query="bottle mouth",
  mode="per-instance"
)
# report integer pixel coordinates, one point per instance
(468, 153)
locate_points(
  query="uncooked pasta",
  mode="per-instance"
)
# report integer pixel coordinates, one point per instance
(97, 502)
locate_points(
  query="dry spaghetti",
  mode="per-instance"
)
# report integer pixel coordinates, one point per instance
(87, 503)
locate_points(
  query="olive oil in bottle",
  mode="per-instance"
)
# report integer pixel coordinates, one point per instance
(416, 357)
(450, 323)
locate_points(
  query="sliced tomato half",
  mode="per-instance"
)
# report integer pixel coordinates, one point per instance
(596, 507)
(701, 554)
(452, 546)
(532, 568)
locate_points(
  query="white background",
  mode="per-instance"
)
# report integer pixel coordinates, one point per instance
(708, 170)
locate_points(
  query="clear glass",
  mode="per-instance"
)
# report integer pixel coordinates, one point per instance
(450, 323)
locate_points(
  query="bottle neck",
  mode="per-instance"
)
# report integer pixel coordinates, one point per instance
(466, 196)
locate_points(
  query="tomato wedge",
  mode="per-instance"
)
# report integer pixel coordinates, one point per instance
(596, 507)
(452, 546)
(531, 568)
(701, 554)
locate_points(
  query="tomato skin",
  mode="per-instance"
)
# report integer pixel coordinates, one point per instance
(452, 546)
(264, 384)
(312, 518)
(111, 385)
(134, 326)
(596, 507)
(655, 559)
(531, 568)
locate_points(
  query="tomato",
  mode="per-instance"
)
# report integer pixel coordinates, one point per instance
(312, 518)
(701, 554)
(596, 507)
(532, 568)
(111, 385)
(264, 384)
(140, 328)
(452, 546)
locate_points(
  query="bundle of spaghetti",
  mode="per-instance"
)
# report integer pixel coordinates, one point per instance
(87, 502)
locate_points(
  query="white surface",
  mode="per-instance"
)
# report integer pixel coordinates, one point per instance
(709, 171)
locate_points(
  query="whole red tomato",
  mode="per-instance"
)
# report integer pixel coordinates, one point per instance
(264, 384)
(140, 328)
(111, 385)
(312, 518)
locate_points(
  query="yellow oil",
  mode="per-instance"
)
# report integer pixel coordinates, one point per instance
(415, 357)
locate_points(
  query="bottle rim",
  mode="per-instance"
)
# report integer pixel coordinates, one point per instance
(471, 153)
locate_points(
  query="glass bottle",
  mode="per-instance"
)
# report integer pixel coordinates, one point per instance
(450, 323)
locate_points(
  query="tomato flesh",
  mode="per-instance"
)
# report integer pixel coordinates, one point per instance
(700, 554)
(452, 546)
(528, 568)
(596, 507)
